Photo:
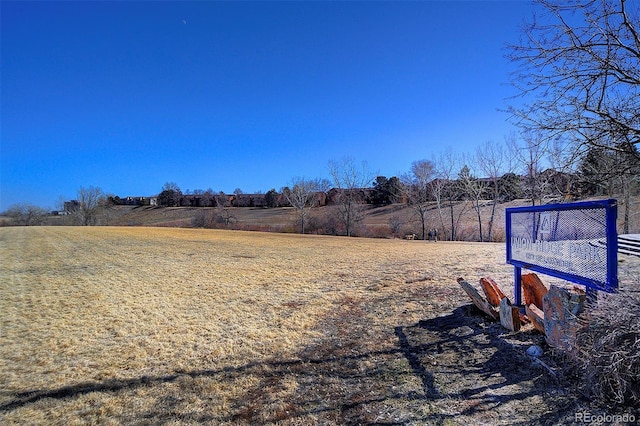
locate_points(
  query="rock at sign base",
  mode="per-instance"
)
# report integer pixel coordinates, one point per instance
(534, 350)
(533, 290)
(561, 308)
(492, 291)
(509, 315)
(478, 300)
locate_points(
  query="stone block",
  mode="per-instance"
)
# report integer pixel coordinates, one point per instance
(561, 308)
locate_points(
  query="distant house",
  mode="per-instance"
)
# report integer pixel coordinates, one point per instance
(71, 206)
(365, 195)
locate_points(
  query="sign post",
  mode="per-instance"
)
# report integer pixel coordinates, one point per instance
(577, 242)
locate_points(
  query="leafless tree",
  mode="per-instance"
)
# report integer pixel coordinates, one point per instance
(493, 162)
(417, 190)
(473, 190)
(236, 199)
(349, 179)
(91, 203)
(224, 214)
(529, 153)
(446, 191)
(302, 194)
(26, 214)
(579, 75)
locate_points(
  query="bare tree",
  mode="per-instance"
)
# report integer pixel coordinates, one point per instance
(349, 179)
(446, 191)
(224, 214)
(236, 199)
(530, 154)
(91, 202)
(301, 195)
(580, 75)
(493, 162)
(26, 214)
(473, 190)
(417, 190)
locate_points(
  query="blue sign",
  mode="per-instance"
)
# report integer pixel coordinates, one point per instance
(577, 242)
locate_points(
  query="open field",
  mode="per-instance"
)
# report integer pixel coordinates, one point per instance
(162, 325)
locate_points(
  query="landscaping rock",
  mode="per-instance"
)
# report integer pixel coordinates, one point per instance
(492, 291)
(534, 350)
(536, 317)
(509, 315)
(561, 308)
(477, 299)
(533, 290)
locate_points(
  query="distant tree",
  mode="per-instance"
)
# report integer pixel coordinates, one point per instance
(236, 197)
(25, 214)
(493, 161)
(610, 173)
(224, 213)
(395, 189)
(395, 223)
(114, 200)
(417, 190)
(204, 218)
(170, 195)
(510, 187)
(349, 179)
(271, 198)
(386, 191)
(301, 194)
(530, 154)
(91, 203)
(474, 190)
(208, 198)
(446, 191)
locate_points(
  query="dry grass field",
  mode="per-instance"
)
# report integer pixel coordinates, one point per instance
(173, 326)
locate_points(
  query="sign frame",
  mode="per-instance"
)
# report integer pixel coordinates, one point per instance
(610, 206)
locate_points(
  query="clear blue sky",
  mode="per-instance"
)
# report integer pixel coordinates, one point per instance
(223, 95)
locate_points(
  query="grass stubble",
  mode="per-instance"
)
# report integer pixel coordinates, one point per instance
(157, 325)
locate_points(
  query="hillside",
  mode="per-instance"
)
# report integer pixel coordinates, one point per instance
(377, 222)
(390, 221)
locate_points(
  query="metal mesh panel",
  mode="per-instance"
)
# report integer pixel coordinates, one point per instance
(569, 241)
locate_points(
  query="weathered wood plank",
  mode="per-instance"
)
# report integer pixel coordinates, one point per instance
(533, 290)
(492, 291)
(536, 316)
(477, 299)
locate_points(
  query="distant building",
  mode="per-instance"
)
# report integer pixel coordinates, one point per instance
(71, 206)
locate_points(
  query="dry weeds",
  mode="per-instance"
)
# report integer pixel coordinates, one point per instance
(147, 325)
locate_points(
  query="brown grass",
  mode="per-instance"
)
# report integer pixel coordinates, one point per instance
(152, 325)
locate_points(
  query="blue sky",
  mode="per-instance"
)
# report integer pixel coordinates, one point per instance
(129, 95)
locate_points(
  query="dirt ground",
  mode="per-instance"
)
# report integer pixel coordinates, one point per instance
(360, 332)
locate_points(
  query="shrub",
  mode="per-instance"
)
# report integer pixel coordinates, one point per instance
(606, 353)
